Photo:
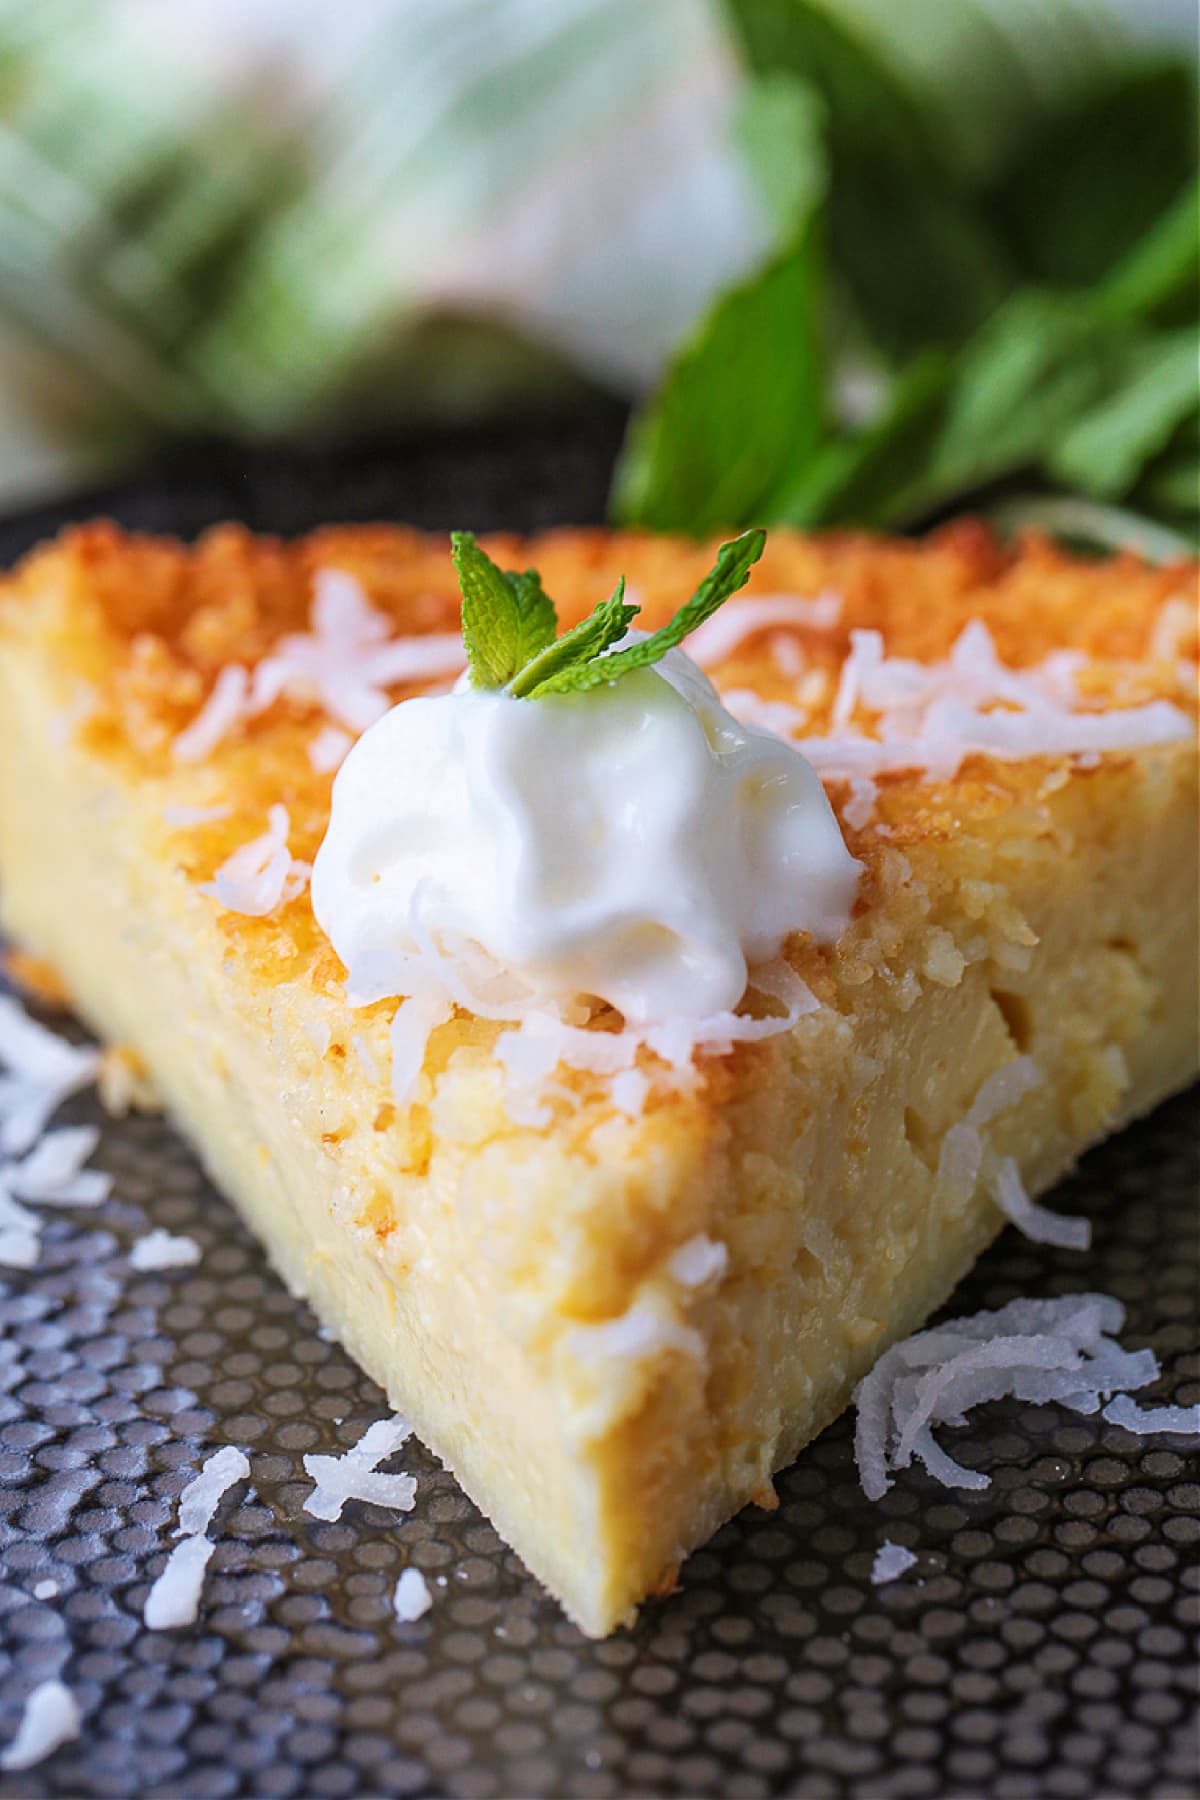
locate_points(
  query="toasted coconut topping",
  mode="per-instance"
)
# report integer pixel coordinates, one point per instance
(262, 875)
(930, 717)
(723, 635)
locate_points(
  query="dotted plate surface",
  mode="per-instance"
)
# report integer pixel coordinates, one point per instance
(1044, 1645)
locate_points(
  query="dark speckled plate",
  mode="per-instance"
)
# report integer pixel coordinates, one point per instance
(1044, 1644)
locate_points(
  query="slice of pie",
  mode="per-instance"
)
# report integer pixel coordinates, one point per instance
(616, 1312)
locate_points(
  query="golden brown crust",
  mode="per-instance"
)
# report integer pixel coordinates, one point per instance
(35, 976)
(148, 623)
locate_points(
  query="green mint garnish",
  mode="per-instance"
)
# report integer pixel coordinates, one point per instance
(506, 617)
(509, 622)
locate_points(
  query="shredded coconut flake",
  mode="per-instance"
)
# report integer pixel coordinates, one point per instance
(860, 808)
(347, 660)
(1145, 1421)
(180, 817)
(412, 1598)
(698, 1261)
(638, 1333)
(1003, 1088)
(175, 1597)
(1035, 1350)
(354, 1476)
(221, 713)
(262, 874)
(163, 1250)
(53, 1173)
(929, 717)
(329, 749)
(199, 1500)
(20, 1233)
(961, 1156)
(891, 1561)
(43, 1071)
(51, 1718)
(719, 637)
(416, 1019)
(344, 663)
(1037, 1222)
(630, 1091)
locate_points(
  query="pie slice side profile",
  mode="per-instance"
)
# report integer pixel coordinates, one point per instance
(615, 1321)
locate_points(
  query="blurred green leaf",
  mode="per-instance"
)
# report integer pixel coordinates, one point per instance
(781, 133)
(919, 259)
(863, 478)
(1159, 278)
(1078, 194)
(1105, 449)
(742, 400)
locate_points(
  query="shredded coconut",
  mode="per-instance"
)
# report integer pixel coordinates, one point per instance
(354, 1475)
(719, 637)
(347, 660)
(174, 1598)
(542, 1041)
(766, 715)
(635, 1334)
(43, 1071)
(891, 1561)
(1145, 1421)
(180, 817)
(53, 1173)
(222, 711)
(698, 1261)
(262, 874)
(1003, 1088)
(329, 749)
(630, 1091)
(20, 1233)
(344, 663)
(860, 808)
(163, 1250)
(416, 1019)
(412, 1598)
(961, 1156)
(930, 717)
(51, 1718)
(1034, 1350)
(1037, 1222)
(199, 1500)
(1174, 629)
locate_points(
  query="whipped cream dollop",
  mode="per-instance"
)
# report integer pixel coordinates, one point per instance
(635, 843)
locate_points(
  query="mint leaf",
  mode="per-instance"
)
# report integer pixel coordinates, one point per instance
(1076, 194)
(491, 614)
(743, 400)
(591, 637)
(921, 261)
(729, 573)
(507, 618)
(539, 621)
(1105, 450)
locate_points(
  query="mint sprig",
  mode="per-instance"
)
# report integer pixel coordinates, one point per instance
(509, 623)
(507, 618)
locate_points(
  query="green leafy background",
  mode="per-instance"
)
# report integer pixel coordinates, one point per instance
(984, 285)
